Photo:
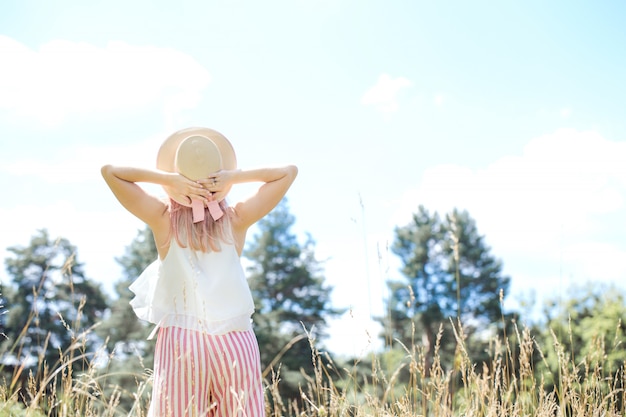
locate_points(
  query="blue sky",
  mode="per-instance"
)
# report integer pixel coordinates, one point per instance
(511, 110)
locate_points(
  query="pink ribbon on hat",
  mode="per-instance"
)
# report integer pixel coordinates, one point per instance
(197, 208)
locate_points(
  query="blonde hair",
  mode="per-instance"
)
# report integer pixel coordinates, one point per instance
(205, 236)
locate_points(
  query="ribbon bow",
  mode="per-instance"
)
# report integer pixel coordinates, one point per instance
(197, 208)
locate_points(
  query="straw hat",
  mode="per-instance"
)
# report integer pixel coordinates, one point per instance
(195, 152)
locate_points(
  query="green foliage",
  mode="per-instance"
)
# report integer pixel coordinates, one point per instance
(52, 304)
(289, 293)
(3, 309)
(13, 409)
(125, 333)
(450, 274)
(573, 365)
(131, 353)
(587, 328)
(504, 385)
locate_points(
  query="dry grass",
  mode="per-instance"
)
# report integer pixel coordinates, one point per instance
(508, 385)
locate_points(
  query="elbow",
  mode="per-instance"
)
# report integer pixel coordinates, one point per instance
(109, 172)
(106, 171)
(292, 172)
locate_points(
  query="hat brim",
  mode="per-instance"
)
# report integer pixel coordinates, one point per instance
(166, 157)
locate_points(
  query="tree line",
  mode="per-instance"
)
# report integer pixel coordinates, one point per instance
(451, 283)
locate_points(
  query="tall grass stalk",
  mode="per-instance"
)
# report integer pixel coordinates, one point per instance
(506, 385)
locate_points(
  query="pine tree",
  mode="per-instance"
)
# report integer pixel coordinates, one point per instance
(450, 275)
(289, 293)
(52, 306)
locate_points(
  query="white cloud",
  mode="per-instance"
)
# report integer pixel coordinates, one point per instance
(384, 95)
(548, 204)
(79, 164)
(64, 78)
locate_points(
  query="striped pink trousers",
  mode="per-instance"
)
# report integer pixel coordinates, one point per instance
(203, 375)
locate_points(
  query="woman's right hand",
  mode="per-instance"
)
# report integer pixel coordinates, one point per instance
(183, 189)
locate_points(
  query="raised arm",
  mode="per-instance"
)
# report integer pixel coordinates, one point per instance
(147, 207)
(276, 183)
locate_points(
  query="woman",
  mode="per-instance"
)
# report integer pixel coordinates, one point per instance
(206, 355)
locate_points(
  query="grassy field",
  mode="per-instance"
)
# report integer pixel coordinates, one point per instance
(507, 385)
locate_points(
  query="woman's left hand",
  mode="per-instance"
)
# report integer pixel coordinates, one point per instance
(218, 183)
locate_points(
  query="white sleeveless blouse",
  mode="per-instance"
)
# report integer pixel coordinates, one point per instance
(195, 290)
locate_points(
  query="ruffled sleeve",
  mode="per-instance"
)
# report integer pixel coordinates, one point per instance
(144, 289)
